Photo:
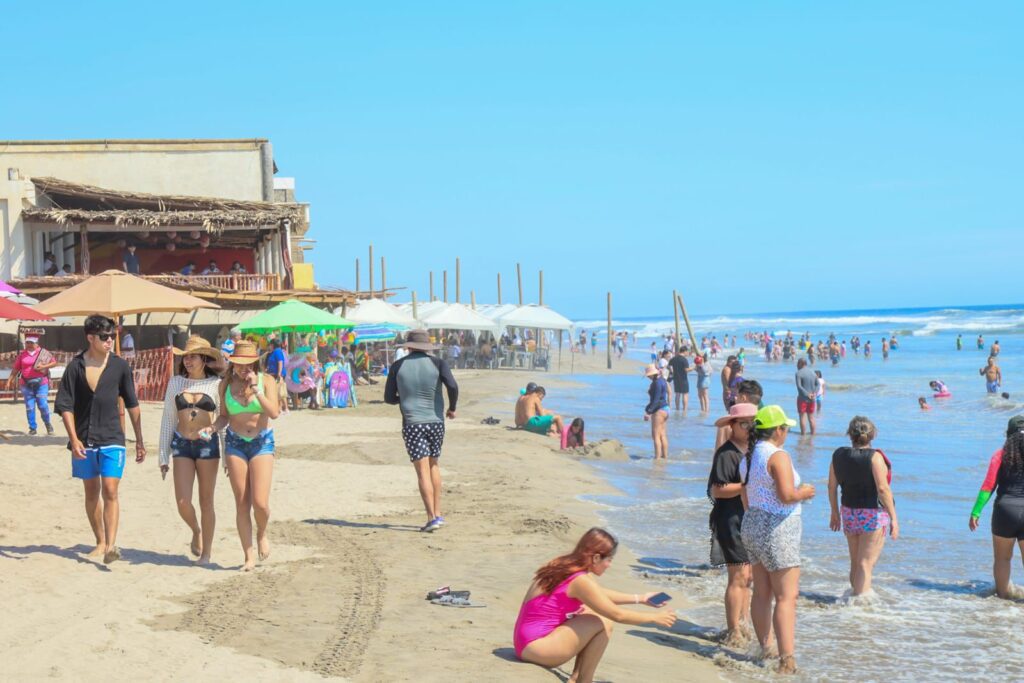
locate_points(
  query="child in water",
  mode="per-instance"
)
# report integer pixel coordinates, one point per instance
(923, 402)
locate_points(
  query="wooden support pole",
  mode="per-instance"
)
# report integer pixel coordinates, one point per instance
(444, 286)
(431, 285)
(519, 279)
(383, 277)
(472, 299)
(499, 289)
(371, 270)
(675, 313)
(686, 319)
(357, 275)
(458, 280)
(540, 290)
(609, 330)
(415, 311)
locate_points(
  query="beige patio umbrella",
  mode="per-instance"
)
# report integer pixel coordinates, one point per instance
(117, 293)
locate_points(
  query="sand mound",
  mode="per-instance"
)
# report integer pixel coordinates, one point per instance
(607, 449)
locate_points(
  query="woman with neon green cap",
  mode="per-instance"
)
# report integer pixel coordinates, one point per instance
(1005, 476)
(771, 531)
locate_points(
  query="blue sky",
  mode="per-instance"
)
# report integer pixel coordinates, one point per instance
(756, 156)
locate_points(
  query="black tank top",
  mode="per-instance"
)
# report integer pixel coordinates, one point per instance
(1009, 484)
(856, 482)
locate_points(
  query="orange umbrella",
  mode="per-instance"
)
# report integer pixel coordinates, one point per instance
(115, 293)
(10, 310)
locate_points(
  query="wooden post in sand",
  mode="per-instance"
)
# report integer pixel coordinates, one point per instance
(383, 277)
(472, 299)
(357, 275)
(499, 289)
(675, 313)
(686, 319)
(431, 286)
(458, 279)
(609, 330)
(371, 270)
(540, 294)
(414, 309)
(519, 278)
(444, 285)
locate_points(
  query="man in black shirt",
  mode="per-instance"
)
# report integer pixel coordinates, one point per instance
(88, 404)
(679, 366)
(130, 260)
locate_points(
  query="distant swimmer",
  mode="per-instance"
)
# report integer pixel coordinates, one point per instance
(867, 348)
(981, 342)
(959, 342)
(993, 375)
(923, 402)
(994, 351)
(885, 348)
(1005, 395)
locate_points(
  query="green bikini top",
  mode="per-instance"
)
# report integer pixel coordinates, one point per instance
(234, 407)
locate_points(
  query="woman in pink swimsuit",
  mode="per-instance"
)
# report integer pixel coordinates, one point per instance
(567, 614)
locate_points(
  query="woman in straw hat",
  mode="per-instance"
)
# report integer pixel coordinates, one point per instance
(725, 488)
(656, 411)
(187, 436)
(248, 402)
(771, 531)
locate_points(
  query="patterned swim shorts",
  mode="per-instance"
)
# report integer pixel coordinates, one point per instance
(423, 440)
(864, 520)
(772, 540)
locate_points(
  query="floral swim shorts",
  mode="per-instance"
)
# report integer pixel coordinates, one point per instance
(864, 520)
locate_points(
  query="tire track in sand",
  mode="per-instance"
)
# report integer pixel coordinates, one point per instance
(316, 614)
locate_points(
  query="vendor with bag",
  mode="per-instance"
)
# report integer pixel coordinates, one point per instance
(33, 367)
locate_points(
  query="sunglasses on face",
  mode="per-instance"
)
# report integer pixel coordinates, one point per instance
(745, 424)
(105, 336)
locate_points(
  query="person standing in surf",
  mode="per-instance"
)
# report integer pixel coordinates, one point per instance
(863, 474)
(993, 375)
(806, 396)
(656, 411)
(1005, 477)
(87, 402)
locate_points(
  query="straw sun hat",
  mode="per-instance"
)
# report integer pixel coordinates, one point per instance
(198, 345)
(418, 340)
(245, 353)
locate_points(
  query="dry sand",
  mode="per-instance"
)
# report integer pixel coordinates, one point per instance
(343, 594)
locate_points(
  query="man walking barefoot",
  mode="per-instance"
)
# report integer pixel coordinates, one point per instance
(87, 403)
(414, 384)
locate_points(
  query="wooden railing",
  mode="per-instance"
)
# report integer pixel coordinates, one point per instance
(151, 370)
(241, 282)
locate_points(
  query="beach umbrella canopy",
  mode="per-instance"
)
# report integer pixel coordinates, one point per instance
(7, 289)
(458, 317)
(535, 317)
(376, 333)
(9, 310)
(379, 312)
(115, 293)
(294, 316)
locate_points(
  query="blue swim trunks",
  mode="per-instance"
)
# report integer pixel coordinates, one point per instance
(99, 461)
(992, 387)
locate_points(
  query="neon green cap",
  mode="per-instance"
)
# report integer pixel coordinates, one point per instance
(770, 417)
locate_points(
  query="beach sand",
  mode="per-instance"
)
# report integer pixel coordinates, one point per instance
(342, 595)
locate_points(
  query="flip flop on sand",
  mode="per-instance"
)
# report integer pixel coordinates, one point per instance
(450, 601)
(446, 591)
(490, 421)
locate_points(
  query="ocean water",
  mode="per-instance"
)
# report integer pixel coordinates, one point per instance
(934, 617)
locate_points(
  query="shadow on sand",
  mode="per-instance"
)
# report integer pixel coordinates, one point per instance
(364, 525)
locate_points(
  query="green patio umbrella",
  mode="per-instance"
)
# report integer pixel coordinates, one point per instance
(294, 316)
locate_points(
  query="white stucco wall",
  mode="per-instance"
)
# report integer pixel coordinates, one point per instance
(230, 169)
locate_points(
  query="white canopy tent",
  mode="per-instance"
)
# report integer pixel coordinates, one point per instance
(535, 317)
(456, 317)
(378, 312)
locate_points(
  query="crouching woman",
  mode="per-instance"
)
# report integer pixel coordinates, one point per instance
(567, 614)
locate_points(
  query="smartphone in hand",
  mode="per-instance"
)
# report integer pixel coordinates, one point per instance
(659, 599)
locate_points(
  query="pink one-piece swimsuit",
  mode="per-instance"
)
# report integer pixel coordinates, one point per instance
(544, 613)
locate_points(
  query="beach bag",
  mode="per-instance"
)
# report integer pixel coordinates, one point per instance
(44, 358)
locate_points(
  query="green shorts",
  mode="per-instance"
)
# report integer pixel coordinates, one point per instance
(539, 424)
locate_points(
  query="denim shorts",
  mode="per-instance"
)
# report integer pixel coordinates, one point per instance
(236, 445)
(195, 449)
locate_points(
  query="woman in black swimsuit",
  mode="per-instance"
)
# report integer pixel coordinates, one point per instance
(187, 435)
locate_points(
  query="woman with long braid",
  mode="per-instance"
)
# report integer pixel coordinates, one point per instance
(771, 531)
(1005, 476)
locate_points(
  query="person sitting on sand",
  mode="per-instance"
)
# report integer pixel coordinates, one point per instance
(863, 475)
(993, 375)
(923, 403)
(572, 436)
(87, 402)
(1005, 476)
(532, 417)
(566, 613)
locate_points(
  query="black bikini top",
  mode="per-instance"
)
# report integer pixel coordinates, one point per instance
(205, 403)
